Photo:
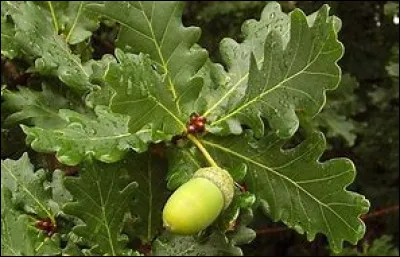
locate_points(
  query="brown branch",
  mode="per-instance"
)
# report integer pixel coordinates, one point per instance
(380, 212)
(377, 213)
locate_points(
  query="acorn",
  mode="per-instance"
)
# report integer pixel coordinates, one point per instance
(197, 204)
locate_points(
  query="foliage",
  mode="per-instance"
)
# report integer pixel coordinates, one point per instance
(120, 120)
(381, 246)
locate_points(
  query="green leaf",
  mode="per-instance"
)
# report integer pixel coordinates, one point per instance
(151, 195)
(229, 218)
(294, 74)
(46, 246)
(229, 87)
(9, 47)
(71, 249)
(36, 36)
(295, 187)
(338, 125)
(40, 108)
(73, 19)
(381, 246)
(27, 186)
(216, 244)
(18, 235)
(391, 8)
(243, 234)
(101, 203)
(14, 239)
(60, 194)
(182, 164)
(141, 94)
(155, 28)
(344, 100)
(336, 117)
(392, 67)
(105, 137)
(20, 239)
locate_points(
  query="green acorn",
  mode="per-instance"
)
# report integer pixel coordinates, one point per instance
(196, 204)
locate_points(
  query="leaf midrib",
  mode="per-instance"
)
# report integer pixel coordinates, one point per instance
(152, 38)
(103, 211)
(75, 21)
(28, 192)
(227, 150)
(156, 45)
(259, 97)
(99, 138)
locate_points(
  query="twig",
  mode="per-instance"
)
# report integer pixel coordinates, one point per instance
(380, 212)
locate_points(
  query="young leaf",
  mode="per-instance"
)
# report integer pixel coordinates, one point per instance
(294, 187)
(36, 36)
(241, 233)
(155, 28)
(292, 76)
(101, 203)
(150, 197)
(141, 94)
(27, 186)
(105, 137)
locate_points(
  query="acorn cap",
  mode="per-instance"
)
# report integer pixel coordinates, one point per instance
(221, 178)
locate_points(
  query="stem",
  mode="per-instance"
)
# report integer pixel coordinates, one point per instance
(203, 150)
(53, 16)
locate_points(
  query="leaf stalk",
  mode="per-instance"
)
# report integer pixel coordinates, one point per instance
(203, 150)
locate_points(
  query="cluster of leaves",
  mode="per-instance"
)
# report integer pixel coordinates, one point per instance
(381, 246)
(111, 116)
(364, 122)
